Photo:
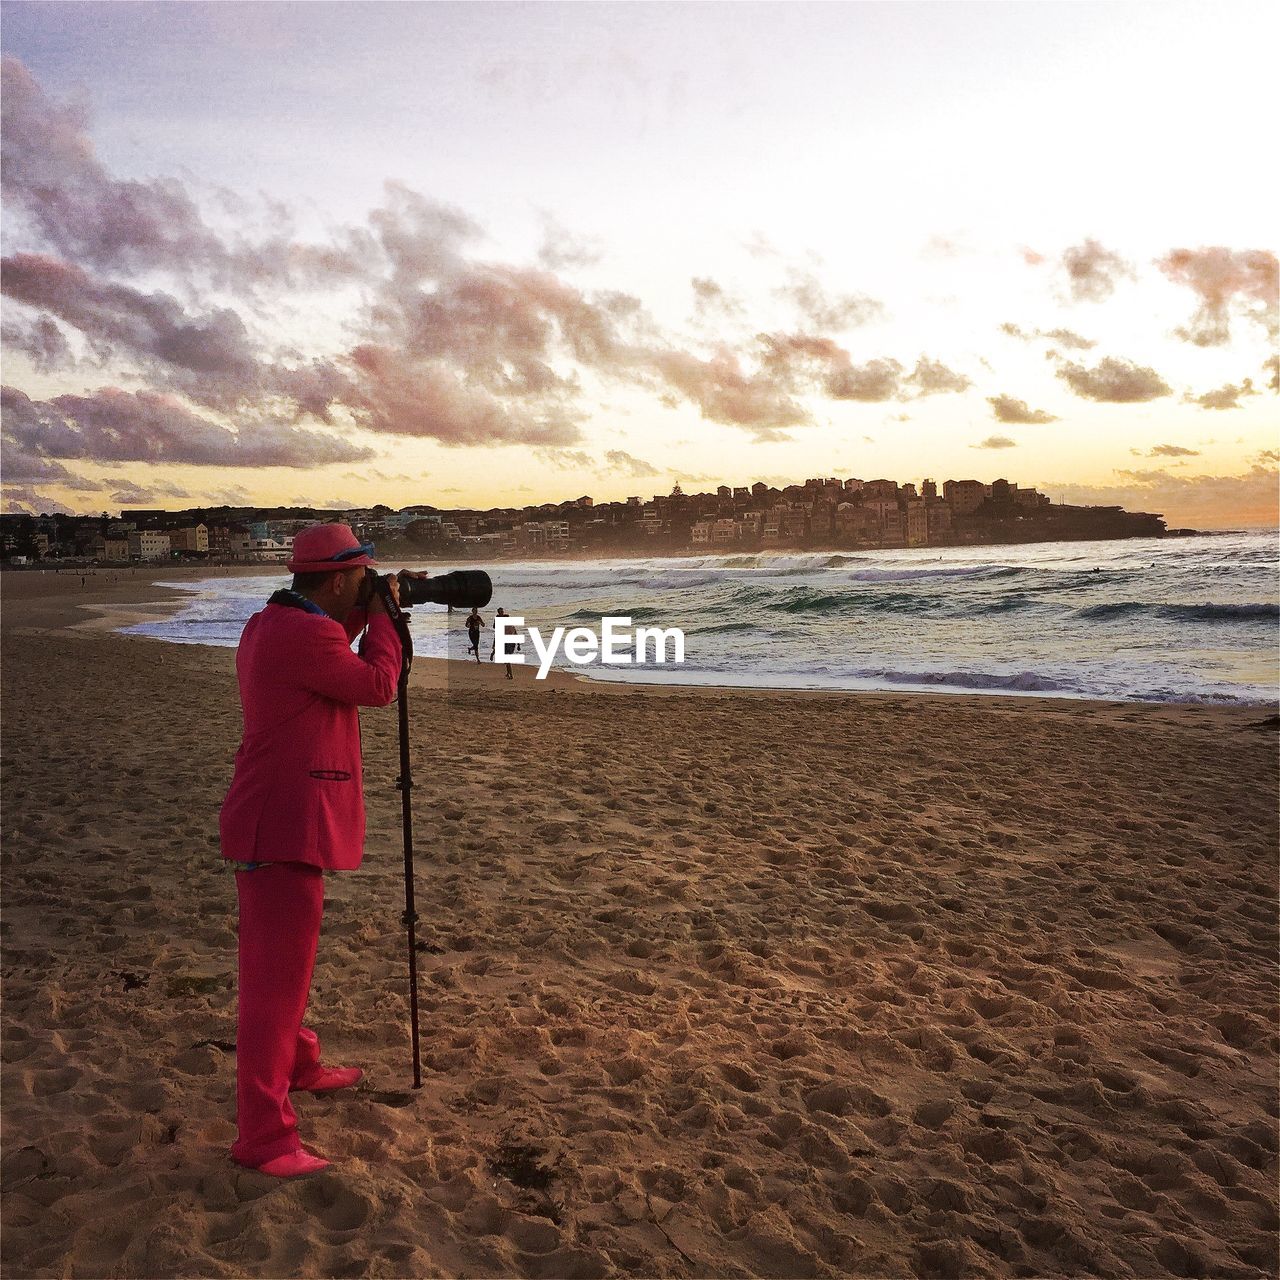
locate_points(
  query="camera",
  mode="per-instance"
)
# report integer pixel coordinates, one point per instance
(462, 589)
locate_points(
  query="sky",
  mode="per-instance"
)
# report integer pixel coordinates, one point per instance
(498, 254)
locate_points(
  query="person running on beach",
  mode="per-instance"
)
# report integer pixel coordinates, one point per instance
(509, 647)
(474, 623)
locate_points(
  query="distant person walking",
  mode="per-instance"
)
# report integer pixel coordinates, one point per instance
(507, 647)
(474, 623)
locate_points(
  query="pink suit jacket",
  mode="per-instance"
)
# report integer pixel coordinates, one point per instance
(297, 793)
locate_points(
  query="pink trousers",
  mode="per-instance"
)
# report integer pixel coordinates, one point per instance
(280, 909)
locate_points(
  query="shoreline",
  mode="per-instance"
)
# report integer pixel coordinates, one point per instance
(121, 601)
(400, 547)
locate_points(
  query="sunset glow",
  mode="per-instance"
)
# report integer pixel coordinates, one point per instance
(503, 254)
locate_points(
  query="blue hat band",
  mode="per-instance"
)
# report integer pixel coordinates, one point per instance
(364, 549)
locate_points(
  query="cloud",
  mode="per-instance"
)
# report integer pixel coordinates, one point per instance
(133, 495)
(758, 245)
(562, 249)
(148, 426)
(618, 460)
(565, 459)
(725, 392)
(507, 326)
(803, 362)
(1114, 381)
(433, 343)
(996, 442)
(24, 500)
(930, 377)
(822, 311)
(22, 467)
(873, 382)
(1007, 409)
(1173, 451)
(41, 341)
(1271, 367)
(1092, 272)
(1247, 282)
(710, 298)
(1066, 338)
(1227, 397)
(322, 504)
(1185, 501)
(1031, 257)
(234, 496)
(115, 317)
(55, 180)
(1063, 337)
(395, 395)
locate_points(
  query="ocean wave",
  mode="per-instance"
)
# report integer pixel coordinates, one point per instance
(807, 601)
(1005, 604)
(1181, 612)
(722, 628)
(637, 613)
(1020, 681)
(958, 571)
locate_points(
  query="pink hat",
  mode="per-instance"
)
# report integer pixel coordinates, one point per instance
(325, 547)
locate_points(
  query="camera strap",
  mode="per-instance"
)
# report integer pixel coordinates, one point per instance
(399, 620)
(293, 600)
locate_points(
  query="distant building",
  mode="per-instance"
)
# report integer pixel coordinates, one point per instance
(1029, 497)
(856, 522)
(724, 531)
(893, 528)
(192, 540)
(265, 549)
(148, 544)
(225, 540)
(917, 526)
(964, 496)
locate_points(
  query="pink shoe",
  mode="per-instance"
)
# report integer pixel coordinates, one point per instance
(327, 1079)
(296, 1164)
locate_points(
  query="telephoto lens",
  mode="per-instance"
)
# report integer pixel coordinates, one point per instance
(462, 589)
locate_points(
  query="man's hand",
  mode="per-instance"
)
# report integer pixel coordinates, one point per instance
(375, 597)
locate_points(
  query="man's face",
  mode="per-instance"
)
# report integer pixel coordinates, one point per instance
(347, 591)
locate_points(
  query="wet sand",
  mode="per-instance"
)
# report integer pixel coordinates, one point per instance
(713, 983)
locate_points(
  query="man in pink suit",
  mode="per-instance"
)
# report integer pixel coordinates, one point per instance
(295, 810)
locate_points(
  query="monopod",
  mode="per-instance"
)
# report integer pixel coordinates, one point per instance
(466, 589)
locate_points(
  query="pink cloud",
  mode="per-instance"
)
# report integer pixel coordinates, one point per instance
(1224, 280)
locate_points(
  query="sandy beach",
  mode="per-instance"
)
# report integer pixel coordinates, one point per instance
(713, 983)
